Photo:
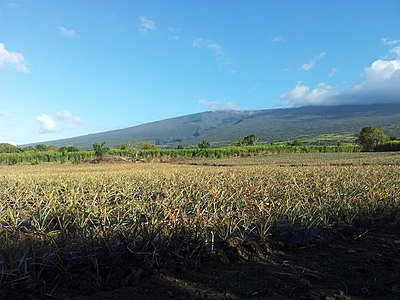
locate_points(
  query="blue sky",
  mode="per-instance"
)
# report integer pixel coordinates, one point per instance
(73, 67)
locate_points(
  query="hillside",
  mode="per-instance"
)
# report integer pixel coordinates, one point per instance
(324, 124)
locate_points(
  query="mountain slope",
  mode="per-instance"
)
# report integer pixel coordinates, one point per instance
(274, 125)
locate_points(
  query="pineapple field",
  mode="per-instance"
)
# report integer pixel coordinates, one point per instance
(137, 227)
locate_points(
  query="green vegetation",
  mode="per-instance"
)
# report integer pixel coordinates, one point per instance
(100, 150)
(170, 154)
(8, 148)
(295, 143)
(388, 146)
(370, 138)
(147, 146)
(68, 149)
(249, 140)
(34, 157)
(204, 144)
(45, 148)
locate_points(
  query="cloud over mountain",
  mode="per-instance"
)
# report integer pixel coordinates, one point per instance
(380, 83)
(218, 106)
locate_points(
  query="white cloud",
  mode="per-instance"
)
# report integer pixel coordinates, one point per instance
(308, 66)
(277, 39)
(216, 49)
(396, 51)
(332, 72)
(216, 105)
(146, 25)
(305, 95)
(380, 83)
(67, 32)
(382, 70)
(70, 120)
(13, 59)
(390, 42)
(47, 124)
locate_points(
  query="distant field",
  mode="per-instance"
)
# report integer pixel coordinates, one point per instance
(307, 159)
(65, 217)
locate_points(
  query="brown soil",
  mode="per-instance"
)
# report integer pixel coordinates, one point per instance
(361, 263)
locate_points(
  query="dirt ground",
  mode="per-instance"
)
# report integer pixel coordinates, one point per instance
(351, 263)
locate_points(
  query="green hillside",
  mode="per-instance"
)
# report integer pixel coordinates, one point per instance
(323, 124)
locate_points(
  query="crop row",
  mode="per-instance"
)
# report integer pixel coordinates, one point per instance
(146, 154)
(388, 146)
(34, 158)
(61, 216)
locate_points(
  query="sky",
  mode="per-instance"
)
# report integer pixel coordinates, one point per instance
(74, 67)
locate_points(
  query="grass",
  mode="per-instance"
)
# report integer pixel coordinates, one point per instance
(63, 217)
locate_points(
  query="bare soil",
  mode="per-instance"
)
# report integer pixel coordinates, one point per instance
(357, 262)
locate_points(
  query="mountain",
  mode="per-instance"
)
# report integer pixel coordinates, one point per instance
(316, 124)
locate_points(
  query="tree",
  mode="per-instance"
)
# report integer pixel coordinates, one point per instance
(68, 149)
(124, 147)
(100, 149)
(204, 144)
(295, 143)
(249, 140)
(147, 146)
(8, 148)
(45, 148)
(370, 137)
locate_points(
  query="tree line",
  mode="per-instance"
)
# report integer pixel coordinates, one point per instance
(369, 138)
